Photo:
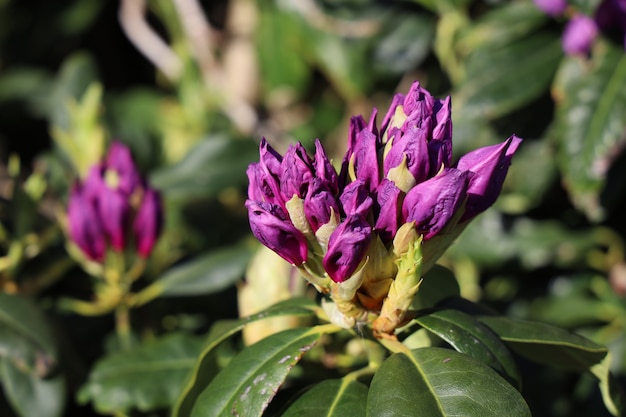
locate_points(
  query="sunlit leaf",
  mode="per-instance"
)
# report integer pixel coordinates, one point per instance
(441, 382)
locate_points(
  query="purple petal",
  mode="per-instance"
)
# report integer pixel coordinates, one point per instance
(318, 203)
(270, 225)
(551, 7)
(355, 199)
(113, 209)
(418, 106)
(346, 247)
(323, 168)
(398, 100)
(366, 159)
(431, 204)
(490, 166)
(84, 225)
(120, 160)
(579, 34)
(296, 171)
(413, 144)
(388, 201)
(148, 222)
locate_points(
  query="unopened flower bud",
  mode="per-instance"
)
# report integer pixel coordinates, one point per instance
(346, 247)
(148, 222)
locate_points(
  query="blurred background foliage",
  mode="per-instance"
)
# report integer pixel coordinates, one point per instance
(191, 87)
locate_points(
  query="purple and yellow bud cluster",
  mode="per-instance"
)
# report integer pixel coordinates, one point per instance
(114, 208)
(341, 228)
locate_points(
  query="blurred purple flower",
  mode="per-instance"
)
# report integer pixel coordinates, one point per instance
(552, 7)
(112, 197)
(579, 35)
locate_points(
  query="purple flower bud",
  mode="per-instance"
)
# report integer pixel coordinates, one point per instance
(262, 186)
(489, 165)
(365, 159)
(398, 100)
(113, 209)
(440, 145)
(296, 171)
(271, 226)
(120, 161)
(418, 106)
(148, 222)
(551, 7)
(388, 201)
(318, 203)
(84, 225)
(270, 159)
(412, 144)
(432, 203)
(356, 200)
(579, 34)
(346, 247)
(323, 168)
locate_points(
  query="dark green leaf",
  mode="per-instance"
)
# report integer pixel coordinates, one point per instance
(331, 398)
(148, 377)
(250, 381)
(211, 166)
(434, 382)
(205, 274)
(590, 123)
(31, 395)
(439, 283)
(207, 366)
(25, 339)
(468, 335)
(547, 344)
(500, 80)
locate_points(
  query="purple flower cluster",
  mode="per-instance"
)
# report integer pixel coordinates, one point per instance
(581, 30)
(396, 173)
(113, 207)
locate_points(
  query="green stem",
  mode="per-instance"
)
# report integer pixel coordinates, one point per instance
(122, 325)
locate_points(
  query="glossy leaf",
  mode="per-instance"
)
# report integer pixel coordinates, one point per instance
(31, 395)
(468, 335)
(207, 367)
(25, 338)
(439, 283)
(500, 80)
(250, 381)
(206, 273)
(211, 166)
(148, 377)
(547, 344)
(436, 382)
(590, 123)
(331, 398)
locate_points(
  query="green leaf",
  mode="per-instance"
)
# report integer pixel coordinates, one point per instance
(281, 51)
(590, 123)
(205, 274)
(30, 395)
(148, 377)
(547, 344)
(25, 339)
(612, 395)
(501, 26)
(468, 335)
(439, 283)
(207, 367)
(331, 398)
(441, 382)
(500, 80)
(250, 381)
(211, 166)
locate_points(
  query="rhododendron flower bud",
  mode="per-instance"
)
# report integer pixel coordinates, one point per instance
(551, 7)
(148, 222)
(579, 35)
(489, 166)
(271, 225)
(85, 229)
(366, 236)
(347, 245)
(112, 198)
